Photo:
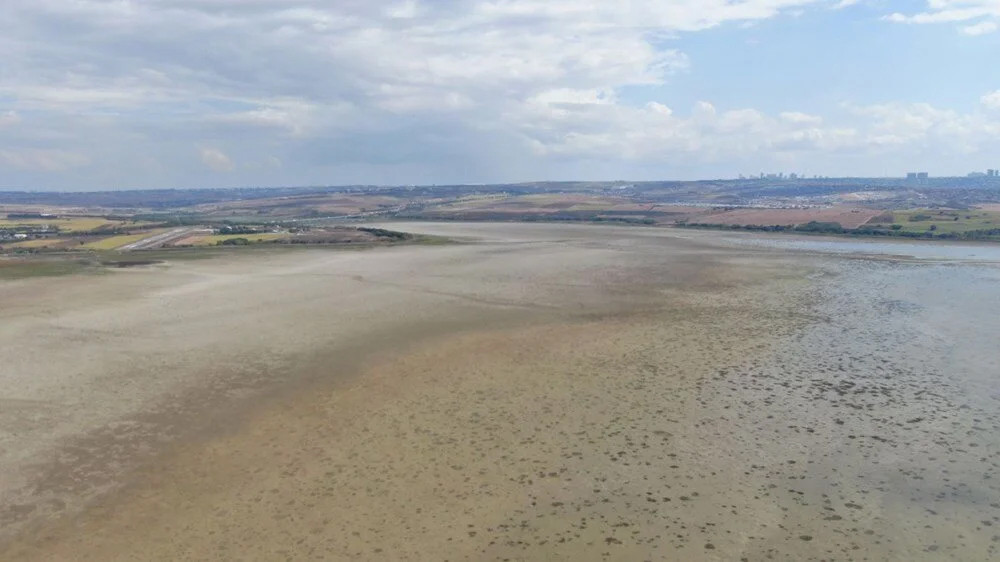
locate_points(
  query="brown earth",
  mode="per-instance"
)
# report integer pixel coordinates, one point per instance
(544, 392)
(848, 217)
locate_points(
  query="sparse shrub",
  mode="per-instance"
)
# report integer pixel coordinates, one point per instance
(234, 242)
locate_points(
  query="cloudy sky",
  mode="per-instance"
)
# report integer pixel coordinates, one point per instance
(112, 94)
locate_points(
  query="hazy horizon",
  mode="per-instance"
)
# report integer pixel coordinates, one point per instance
(85, 189)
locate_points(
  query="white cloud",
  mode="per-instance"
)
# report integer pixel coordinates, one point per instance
(659, 108)
(351, 51)
(294, 116)
(800, 118)
(267, 162)
(403, 10)
(981, 28)
(216, 160)
(333, 76)
(709, 134)
(566, 96)
(368, 85)
(991, 100)
(955, 11)
(45, 160)
(9, 118)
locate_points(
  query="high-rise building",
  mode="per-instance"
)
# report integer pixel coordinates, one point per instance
(911, 175)
(922, 175)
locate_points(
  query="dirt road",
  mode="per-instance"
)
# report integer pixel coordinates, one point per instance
(163, 238)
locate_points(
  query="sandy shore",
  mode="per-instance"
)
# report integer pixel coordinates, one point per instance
(542, 392)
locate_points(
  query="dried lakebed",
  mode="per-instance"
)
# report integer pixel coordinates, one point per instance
(543, 392)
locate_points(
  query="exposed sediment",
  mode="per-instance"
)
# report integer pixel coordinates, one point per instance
(553, 393)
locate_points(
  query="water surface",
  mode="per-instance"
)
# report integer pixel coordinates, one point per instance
(918, 249)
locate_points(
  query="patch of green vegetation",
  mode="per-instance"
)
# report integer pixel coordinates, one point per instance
(173, 219)
(821, 227)
(932, 231)
(26, 265)
(28, 268)
(429, 240)
(237, 241)
(383, 233)
(947, 221)
(158, 254)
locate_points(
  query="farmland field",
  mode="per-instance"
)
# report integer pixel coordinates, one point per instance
(847, 217)
(943, 221)
(42, 243)
(319, 204)
(67, 224)
(25, 269)
(213, 239)
(561, 206)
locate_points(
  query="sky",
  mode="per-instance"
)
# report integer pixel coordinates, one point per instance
(123, 94)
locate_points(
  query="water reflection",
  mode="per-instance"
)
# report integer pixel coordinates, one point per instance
(914, 249)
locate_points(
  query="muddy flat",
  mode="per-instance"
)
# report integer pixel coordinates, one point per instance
(535, 392)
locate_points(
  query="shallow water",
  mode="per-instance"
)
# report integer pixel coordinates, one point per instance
(879, 422)
(914, 249)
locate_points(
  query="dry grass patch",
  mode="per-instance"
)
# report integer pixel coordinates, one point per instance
(214, 239)
(847, 217)
(115, 242)
(67, 224)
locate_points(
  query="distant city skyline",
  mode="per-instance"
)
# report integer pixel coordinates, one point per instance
(101, 94)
